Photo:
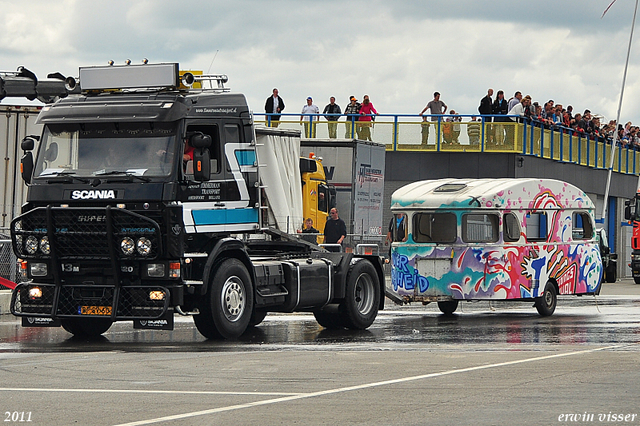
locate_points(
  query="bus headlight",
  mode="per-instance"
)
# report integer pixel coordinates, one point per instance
(31, 244)
(127, 246)
(144, 246)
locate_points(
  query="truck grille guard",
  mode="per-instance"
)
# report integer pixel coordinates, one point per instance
(86, 233)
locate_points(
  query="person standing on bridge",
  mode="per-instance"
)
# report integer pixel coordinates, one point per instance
(332, 113)
(351, 111)
(437, 108)
(274, 105)
(366, 119)
(485, 109)
(309, 120)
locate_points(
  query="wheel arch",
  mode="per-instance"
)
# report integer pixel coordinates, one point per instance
(225, 248)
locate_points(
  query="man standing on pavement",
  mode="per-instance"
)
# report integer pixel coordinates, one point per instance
(332, 113)
(335, 230)
(437, 107)
(274, 105)
(309, 108)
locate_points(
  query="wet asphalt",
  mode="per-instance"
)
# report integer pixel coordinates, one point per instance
(491, 363)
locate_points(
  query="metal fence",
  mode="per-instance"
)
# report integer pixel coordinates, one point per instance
(8, 265)
(410, 133)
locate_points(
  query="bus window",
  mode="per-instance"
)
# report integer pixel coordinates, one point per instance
(480, 228)
(511, 228)
(582, 226)
(399, 227)
(434, 228)
(537, 228)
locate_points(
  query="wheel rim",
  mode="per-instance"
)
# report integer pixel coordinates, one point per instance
(364, 294)
(233, 298)
(548, 298)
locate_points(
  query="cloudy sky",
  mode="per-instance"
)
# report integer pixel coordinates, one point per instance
(398, 52)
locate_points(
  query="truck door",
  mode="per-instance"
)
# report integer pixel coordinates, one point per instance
(224, 202)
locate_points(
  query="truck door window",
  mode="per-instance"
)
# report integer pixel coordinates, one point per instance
(537, 226)
(582, 226)
(434, 228)
(214, 150)
(323, 198)
(480, 228)
(511, 228)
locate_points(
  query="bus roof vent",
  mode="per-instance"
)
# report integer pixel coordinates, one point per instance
(451, 187)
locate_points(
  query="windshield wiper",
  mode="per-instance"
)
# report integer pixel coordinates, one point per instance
(63, 176)
(128, 174)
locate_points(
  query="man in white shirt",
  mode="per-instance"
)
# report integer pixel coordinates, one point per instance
(309, 108)
(520, 108)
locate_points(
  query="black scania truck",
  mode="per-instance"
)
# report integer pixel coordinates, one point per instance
(145, 201)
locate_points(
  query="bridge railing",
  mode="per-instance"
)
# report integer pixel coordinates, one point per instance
(401, 132)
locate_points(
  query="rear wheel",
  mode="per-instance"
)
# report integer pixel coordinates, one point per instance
(636, 279)
(362, 297)
(546, 304)
(228, 305)
(257, 317)
(448, 307)
(86, 327)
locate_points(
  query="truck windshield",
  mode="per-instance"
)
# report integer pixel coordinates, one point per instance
(88, 149)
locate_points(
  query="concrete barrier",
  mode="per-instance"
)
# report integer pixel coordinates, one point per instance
(5, 302)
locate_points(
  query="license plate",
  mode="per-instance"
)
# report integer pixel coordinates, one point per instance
(95, 310)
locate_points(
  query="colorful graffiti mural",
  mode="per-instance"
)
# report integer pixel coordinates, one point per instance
(500, 270)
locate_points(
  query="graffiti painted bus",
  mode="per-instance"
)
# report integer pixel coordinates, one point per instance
(493, 239)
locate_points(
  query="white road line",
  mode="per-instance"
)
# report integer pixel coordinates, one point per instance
(149, 391)
(360, 387)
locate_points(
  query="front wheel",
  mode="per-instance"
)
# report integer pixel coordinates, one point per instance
(611, 273)
(86, 327)
(228, 305)
(330, 317)
(546, 304)
(362, 297)
(637, 280)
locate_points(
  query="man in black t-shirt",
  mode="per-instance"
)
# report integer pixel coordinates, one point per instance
(335, 230)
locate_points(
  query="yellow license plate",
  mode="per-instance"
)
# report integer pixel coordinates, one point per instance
(95, 310)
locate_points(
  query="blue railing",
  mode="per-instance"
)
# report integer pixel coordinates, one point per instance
(405, 132)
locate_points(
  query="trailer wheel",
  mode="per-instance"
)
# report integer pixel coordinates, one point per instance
(86, 327)
(330, 317)
(362, 297)
(611, 274)
(228, 305)
(546, 304)
(448, 307)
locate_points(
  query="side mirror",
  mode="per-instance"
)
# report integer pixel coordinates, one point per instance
(200, 140)
(201, 165)
(28, 143)
(26, 166)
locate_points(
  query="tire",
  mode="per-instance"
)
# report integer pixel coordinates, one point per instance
(362, 297)
(257, 317)
(448, 307)
(611, 273)
(228, 305)
(330, 317)
(546, 304)
(637, 280)
(86, 327)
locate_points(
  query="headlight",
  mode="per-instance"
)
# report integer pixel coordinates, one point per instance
(35, 293)
(127, 246)
(31, 244)
(38, 269)
(155, 270)
(45, 247)
(144, 246)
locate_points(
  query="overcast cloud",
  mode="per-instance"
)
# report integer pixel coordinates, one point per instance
(397, 52)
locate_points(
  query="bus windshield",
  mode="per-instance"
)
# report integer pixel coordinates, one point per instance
(95, 149)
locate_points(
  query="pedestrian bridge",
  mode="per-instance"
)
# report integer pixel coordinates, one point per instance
(406, 132)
